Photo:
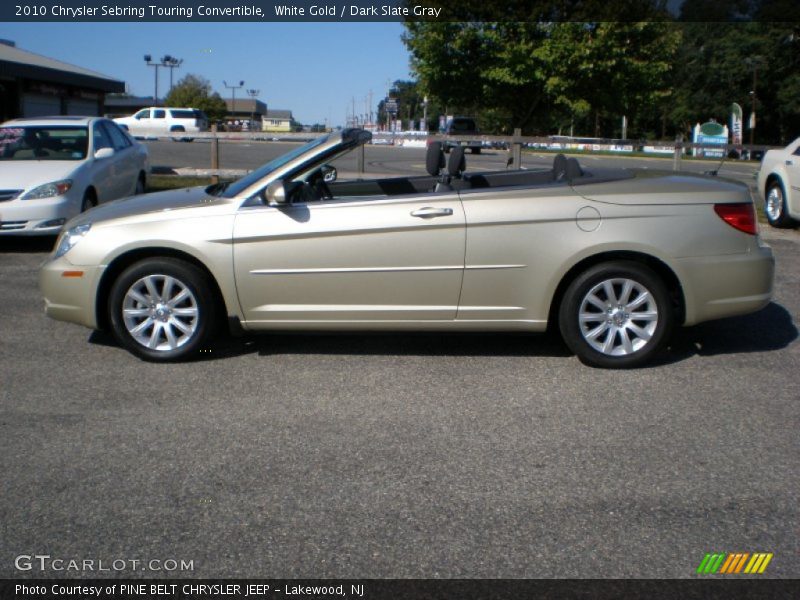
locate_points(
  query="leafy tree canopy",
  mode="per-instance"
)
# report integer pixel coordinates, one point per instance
(195, 91)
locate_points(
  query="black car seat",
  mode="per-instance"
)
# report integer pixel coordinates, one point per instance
(456, 166)
(574, 170)
(559, 167)
(434, 163)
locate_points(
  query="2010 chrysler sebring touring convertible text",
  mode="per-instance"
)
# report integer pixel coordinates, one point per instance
(614, 259)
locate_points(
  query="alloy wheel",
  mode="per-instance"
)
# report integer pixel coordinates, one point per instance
(618, 317)
(774, 204)
(160, 312)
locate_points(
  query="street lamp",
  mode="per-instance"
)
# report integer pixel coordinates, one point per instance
(171, 63)
(754, 62)
(167, 61)
(253, 94)
(233, 89)
(148, 61)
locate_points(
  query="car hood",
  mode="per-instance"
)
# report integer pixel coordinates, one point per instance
(25, 174)
(159, 202)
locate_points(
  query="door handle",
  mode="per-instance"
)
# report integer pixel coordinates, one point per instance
(789, 163)
(429, 212)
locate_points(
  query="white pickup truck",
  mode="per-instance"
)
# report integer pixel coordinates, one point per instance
(157, 120)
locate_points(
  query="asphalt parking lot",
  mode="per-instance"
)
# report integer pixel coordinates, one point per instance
(399, 455)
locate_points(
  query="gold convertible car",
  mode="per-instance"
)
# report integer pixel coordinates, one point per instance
(614, 259)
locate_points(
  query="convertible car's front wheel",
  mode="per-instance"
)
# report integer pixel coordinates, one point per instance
(162, 309)
(616, 315)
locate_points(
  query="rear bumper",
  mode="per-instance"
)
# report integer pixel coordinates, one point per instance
(726, 286)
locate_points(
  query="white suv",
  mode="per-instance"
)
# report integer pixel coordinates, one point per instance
(157, 120)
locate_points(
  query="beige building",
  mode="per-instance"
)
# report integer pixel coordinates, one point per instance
(277, 120)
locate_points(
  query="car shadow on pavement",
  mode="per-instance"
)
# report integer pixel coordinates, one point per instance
(415, 344)
(768, 330)
(26, 244)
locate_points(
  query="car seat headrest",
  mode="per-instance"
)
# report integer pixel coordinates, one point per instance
(559, 167)
(434, 160)
(573, 169)
(457, 163)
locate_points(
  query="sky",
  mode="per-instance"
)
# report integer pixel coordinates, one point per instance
(312, 69)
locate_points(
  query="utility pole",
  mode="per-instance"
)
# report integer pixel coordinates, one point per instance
(148, 61)
(171, 63)
(166, 61)
(753, 111)
(754, 62)
(254, 95)
(233, 89)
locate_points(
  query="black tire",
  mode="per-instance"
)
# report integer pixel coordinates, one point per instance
(475, 150)
(200, 302)
(612, 330)
(89, 200)
(180, 129)
(777, 215)
(141, 185)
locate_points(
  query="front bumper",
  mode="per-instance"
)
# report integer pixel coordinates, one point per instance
(726, 286)
(36, 217)
(68, 296)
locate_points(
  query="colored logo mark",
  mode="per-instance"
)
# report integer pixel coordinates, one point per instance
(734, 563)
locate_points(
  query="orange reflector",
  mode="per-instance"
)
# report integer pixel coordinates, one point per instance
(72, 274)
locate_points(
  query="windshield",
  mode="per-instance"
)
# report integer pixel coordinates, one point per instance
(43, 143)
(245, 182)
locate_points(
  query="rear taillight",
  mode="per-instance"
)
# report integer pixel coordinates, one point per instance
(740, 216)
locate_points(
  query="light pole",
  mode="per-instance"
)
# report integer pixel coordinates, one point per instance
(148, 61)
(171, 63)
(253, 94)
(754, 62)
(233, 89)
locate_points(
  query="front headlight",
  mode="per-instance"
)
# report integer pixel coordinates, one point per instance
(71, 237)
(48, 190)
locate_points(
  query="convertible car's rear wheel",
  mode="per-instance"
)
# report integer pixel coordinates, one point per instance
(616, 315)
(162, 309)
(775, 206)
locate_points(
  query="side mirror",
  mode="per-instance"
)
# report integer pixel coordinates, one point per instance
(104, 153)
(329, 173)
(276, 194)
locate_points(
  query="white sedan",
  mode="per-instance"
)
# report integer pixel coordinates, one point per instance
(53, 168)
(779, 184)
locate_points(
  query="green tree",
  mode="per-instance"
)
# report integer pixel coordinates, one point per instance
(195, 91)
(720, 63)
(601, 70)
(480, 69)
